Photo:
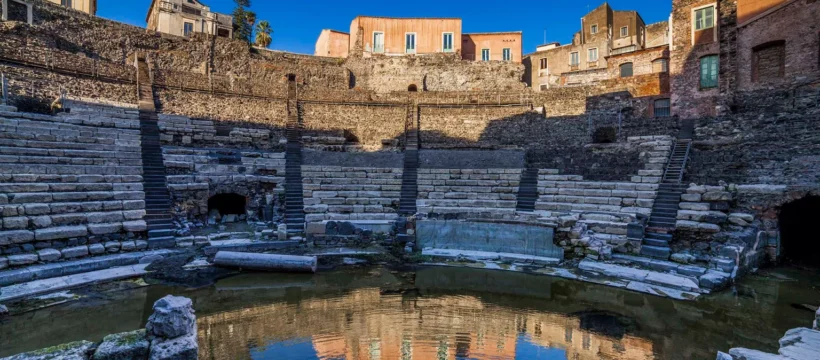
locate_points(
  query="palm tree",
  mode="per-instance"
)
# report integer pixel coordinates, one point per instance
(263, 31)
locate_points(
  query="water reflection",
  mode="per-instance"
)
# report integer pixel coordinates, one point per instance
(445, 313)
(364, 324)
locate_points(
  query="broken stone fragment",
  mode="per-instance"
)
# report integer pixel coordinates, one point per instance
(714, 280)
(180, 348)
(173, 317)
(123, 346)
(77, 350)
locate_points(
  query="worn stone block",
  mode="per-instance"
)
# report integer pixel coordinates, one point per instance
(15, 223)
(135, 226)
(15, 237)
(102, 229)
(76, 251)
(62, 232)
(22, 259)
(49, 255)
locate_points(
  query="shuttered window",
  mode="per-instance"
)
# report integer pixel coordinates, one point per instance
(709, 72)
(626, 70)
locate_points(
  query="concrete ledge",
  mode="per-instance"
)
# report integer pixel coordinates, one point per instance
(45, 286)
(485, 255)
(249, 246)
(46, 271)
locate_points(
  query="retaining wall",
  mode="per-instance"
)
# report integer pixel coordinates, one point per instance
(351, 193)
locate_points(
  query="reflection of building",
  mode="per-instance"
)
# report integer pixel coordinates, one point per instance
(86, 6)
(418, 36)
(185, 17)
(364, 324)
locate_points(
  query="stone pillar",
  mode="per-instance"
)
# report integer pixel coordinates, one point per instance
(5, 10)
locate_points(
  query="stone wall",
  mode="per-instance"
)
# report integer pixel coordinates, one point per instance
(371, 127)
(182, 130)
(71, 185)
(351, 193)
(476, 193)
(197, 174)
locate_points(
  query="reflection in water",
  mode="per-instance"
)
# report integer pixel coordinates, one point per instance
(364, 324)
(450, 313)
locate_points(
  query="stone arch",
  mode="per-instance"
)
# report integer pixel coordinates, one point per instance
(799, 236)
(413, 88)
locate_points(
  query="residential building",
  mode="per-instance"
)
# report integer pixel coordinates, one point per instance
(604, 32)
(86, 6)
(724, 48)
(386, 36)
(505, 46)
(332, 43)
(405, 36)
(185, 17)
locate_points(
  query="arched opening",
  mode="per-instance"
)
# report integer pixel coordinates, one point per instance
(291, 77)
(412, 88)
(798, 231)
(226, 204)
(351, 79)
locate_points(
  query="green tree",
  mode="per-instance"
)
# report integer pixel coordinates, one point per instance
(243, 21)
(263, 32)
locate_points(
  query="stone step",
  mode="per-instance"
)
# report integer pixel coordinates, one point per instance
(656, 252)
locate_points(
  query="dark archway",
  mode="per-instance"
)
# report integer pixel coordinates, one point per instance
(799, 239)
(227, 204)
(413, 88)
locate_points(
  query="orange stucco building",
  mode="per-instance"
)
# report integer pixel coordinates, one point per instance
(332, 43)
(371, 35)
(492, 46)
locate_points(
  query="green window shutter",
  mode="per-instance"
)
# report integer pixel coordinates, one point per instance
(709, 72)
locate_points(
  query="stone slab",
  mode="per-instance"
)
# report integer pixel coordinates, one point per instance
(628, 273)
(45, 286)
(31, 273)
(249, 246)
(486, 255)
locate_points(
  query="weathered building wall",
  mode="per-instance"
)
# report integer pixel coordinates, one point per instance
(790, 60)
(657, 34)
(689, 100)
(361, 124)
(749, 9)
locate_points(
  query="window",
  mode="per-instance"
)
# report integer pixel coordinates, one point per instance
(626, 69)
(187, 28)
(447, 42)
(410, 43)
(506, 54)
(592, 55)
(705, 18)
(625, 31)
(661, 107)
(593, 29)
(769, 61)
(574, 59)
(709, 72)
(378, 42)
(660, 65)
(67, 3)
(485, 54)
(544, 87)
(543, 63)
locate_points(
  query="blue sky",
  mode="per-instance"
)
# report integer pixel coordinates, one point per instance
(297, 23)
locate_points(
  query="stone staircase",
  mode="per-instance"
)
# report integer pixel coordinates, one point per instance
(409, 180)
(294, 193)
(665, 208)
(527, 190)
(157, 199)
